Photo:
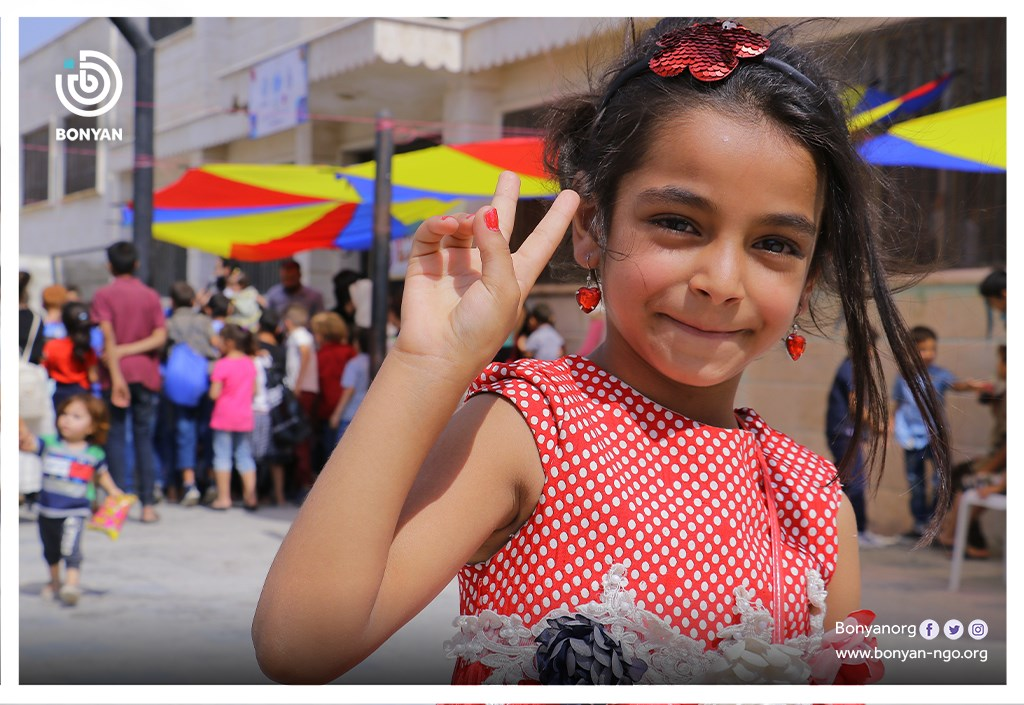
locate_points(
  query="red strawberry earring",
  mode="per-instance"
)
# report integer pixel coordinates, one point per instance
(795, 343)
(589, 296)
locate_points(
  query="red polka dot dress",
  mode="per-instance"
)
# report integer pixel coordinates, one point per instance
(678, 508)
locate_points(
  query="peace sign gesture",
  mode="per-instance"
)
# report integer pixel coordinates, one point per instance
(463, 287)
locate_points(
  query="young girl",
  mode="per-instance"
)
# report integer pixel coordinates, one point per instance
(73, 459)
(70, 361)
(232, 387)
(614, 518)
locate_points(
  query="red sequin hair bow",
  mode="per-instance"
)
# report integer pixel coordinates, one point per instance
(711, 50)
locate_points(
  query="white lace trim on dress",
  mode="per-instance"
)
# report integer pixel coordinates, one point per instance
(744, 655)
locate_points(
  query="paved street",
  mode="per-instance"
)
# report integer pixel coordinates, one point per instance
(173, 602)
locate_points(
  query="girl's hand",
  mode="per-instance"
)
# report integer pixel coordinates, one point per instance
(461, 301)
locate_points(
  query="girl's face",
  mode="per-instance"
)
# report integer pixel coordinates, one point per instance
(718, 226)
(75, 422)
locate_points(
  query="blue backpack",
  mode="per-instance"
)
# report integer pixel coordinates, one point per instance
(186, 378)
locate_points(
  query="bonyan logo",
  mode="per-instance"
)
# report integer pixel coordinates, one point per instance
(91, 85)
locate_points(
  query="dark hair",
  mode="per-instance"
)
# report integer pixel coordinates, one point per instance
(182, 295)
(241, 337)
(363, 339)
(343, 304)
(993, 286)
(592, 156)
(269, 321)
(542, 312)
(75, 317)
(218, 305)
(23, 279)
(122, 257)
(921, 334)
(1002, 353)
(97, 410)
(290, 264)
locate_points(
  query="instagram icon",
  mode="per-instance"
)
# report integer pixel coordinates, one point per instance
(978, 629)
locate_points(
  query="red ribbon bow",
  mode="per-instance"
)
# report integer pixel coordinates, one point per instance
(711, 51)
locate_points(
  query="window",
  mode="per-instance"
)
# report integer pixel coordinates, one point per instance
(35, 176)
(160, 27)
(79, 156)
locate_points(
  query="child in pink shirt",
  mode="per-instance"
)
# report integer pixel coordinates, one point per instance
(232, 386)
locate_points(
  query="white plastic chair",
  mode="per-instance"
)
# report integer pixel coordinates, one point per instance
(969, 499)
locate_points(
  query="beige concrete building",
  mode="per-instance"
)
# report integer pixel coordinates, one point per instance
(456, 80)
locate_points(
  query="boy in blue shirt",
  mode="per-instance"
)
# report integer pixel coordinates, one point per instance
(910, 429)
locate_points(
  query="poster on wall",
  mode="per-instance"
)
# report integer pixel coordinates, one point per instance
(278, 93)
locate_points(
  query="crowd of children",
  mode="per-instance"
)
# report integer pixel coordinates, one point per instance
(239, 388)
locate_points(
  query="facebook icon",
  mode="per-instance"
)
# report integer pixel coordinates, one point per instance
(929, 629)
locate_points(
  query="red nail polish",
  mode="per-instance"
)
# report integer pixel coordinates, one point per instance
(447, 217)
(491, 220)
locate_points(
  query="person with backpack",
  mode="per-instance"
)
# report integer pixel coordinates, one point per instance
(270, 453)
(191, 351)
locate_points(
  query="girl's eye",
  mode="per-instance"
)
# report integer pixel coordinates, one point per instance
(674, 223)
(778, 246)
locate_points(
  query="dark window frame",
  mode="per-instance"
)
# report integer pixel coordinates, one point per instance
(80, 171)
(35, 166)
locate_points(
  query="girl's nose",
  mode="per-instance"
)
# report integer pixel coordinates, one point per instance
(718, 272)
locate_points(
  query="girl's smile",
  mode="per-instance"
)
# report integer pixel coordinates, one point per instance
(700, 332)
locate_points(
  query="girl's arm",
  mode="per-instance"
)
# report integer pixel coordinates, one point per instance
(844, 588)
(216, 387)
(92, 373)
(412, 492)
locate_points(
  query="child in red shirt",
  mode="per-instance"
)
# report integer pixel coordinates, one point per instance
(71, 362)
(333, 351)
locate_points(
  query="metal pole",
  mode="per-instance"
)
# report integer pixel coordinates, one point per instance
(142, 172)
(380, 253)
